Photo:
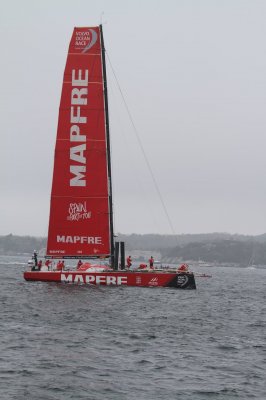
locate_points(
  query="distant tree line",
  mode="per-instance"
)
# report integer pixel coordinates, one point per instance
(155, 242)
(12, 244)
(223, 251)
(211, 247)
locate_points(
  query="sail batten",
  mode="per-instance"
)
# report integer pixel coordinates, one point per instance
(79, 224)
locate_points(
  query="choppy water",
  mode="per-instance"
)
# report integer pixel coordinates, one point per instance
(96, 343)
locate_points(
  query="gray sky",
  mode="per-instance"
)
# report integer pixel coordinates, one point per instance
(194, 77)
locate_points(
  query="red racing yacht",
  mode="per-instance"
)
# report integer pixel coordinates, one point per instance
(81, 210)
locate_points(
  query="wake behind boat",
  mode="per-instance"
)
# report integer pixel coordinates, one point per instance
(81, 209)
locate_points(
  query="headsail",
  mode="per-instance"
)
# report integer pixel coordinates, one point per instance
(80, 208)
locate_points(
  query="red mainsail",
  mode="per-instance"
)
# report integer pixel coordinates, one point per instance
(79, 211)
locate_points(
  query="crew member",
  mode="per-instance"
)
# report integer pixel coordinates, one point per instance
(151, 261)
(79, 264)
(39, 265)
(47, 264)
(183, 267)
(60, 265)
(129, 262)
(34, 256)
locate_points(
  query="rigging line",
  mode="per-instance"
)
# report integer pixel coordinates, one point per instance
(141, 147)
(131, 158)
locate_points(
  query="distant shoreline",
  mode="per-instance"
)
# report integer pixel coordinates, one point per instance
(206, 249)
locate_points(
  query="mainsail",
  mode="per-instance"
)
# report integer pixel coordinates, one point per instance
(81, 206)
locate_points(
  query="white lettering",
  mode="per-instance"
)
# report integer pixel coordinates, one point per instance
(79, 81)
(75, 208)
(100, 280)
(77, 171)
(89, 278)
(80, 43)
(79, 97)
(94, 279)
(78, 279)
(78, 33)
(79, 239)
(110, 280)
(65, 278)
(76, 96)
(75, 136)
(76, 118)
(57, 252)
(76, 153)
(122, 280)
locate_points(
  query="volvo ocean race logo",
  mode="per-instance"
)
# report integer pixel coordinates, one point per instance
(181, 280)
(78, 211)
(84, 40)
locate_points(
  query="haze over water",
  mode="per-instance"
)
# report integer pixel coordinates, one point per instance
(78, 342)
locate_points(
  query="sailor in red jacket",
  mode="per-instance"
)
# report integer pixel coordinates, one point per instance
(151, 261)
(47, 263)
(183, 267)
(60, 265)
(129, 262)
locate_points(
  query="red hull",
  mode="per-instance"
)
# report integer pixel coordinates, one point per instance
(182, 280)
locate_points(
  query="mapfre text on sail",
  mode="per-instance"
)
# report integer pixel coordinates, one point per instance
(78, 239)
(79, 97)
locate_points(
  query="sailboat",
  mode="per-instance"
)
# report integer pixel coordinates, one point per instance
(81, 208)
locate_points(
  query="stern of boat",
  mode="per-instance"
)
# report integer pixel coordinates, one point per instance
(185, 280)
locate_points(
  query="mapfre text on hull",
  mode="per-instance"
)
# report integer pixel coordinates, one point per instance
(182, 280)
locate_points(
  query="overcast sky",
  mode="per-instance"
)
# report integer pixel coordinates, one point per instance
(193, 74)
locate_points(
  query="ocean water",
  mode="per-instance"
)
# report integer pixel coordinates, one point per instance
(60, 342)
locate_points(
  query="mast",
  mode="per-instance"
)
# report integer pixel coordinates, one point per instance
(108, 150)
